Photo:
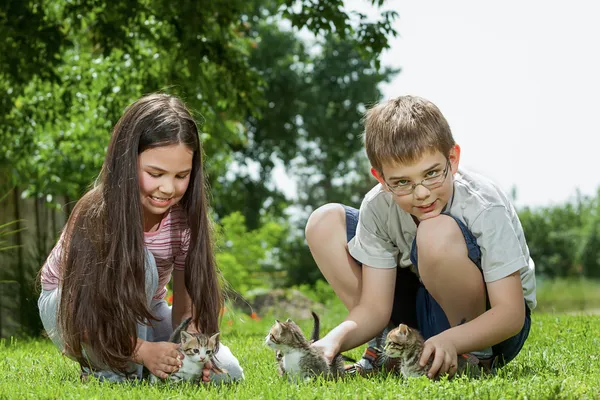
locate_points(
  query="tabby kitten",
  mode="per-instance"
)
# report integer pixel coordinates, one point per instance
(296, 357)
(197, 348)
(406, 344)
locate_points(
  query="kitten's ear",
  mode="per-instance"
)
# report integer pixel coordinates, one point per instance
(212, 341)
(289, 320)
(277, 321)
(185, 337)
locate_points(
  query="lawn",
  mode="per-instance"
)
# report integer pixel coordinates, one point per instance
(561, 359)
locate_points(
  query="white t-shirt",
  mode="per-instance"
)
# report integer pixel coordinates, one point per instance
(385, 232)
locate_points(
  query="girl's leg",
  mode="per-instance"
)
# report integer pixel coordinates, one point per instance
(48, 306)
(226, 361)
(161, 331)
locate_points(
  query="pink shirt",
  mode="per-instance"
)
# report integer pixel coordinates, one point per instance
(169, 245)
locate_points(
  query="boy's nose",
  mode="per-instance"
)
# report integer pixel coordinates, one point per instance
(421, 192)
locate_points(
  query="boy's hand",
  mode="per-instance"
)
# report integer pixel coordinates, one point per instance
(445, 357)
(329, 347)
(161, 358)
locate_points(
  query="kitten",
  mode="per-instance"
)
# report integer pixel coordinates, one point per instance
(295, 355)
(197, 348)
(406, 345)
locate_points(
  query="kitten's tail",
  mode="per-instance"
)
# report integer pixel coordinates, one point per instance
(316, 328)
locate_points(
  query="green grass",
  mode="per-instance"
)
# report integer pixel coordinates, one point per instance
(560, 360)
(558, 295)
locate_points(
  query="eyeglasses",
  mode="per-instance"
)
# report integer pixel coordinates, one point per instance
(433, 181)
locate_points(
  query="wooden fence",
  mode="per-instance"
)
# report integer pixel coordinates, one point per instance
(34, 231)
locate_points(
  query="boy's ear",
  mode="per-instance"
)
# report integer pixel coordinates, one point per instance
(454, 158)
(379, 177)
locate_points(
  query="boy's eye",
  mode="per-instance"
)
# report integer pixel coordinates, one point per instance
(401, 182)
(432, 173)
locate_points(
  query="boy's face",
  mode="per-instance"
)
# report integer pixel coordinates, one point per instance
(423, 202)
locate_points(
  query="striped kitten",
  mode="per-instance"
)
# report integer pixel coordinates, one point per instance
(296, 357)
(197, 348)
(406, 344)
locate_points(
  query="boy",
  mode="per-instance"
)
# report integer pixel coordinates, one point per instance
(433, 247)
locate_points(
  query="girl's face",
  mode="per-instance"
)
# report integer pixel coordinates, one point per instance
(164, 175)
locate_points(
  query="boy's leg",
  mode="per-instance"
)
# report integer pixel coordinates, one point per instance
(446, 269)
(327, 240)
(328, 231)
(449, 262)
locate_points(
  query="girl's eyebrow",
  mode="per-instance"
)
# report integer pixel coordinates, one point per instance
(162, 170)
(426, 170)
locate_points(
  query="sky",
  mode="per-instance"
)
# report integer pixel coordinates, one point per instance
(518, 82)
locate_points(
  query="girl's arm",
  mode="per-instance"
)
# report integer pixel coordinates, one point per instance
(370, 315)
(182, 303)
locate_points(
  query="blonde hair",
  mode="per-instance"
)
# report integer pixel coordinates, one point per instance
(403, 129)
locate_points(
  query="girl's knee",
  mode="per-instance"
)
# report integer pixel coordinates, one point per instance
(225, 360)
(323, 221)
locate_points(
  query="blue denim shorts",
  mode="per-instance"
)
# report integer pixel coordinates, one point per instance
(414, 306)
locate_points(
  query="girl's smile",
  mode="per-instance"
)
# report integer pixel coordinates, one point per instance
(164, 175)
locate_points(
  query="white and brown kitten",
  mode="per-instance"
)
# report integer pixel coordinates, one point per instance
(296, 358)
(197, 348)
(406, 345)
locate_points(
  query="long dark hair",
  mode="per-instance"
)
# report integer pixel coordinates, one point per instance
(103, 279)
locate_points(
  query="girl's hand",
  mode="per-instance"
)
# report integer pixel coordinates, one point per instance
(161, 358)
(206, 371)
(330, 347)
(445, 358)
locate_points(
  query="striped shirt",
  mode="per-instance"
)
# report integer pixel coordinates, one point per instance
(169, 244)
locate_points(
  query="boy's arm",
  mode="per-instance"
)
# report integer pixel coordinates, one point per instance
(370, 315)
(503, 320)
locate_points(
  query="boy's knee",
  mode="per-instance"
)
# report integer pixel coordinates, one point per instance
(323, 220)
(439, 238)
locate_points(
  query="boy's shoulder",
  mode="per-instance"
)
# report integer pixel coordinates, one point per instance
(471, 188)
(475, 194)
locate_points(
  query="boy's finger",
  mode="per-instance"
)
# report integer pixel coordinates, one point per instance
(435, 366)
(427, 351)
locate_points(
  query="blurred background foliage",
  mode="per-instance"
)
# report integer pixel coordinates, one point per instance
(277, 85)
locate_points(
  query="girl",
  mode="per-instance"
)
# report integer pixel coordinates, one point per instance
(146, 219)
